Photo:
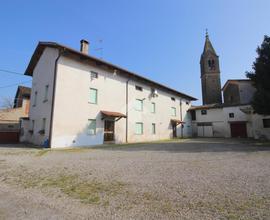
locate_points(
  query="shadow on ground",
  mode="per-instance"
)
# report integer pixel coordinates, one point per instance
(195, 145)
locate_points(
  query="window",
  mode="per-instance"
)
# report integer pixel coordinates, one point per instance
(266, 123)
(139, 105)
(35, 98)
(46, 93)
(153, 107)
(231, 115)
(91, 130)
(203, 112)
(93, 96)
(139, 128)
(43, 124)
(173, 109)
(94, 75)
(172, 98)
(33, 126)
(211, 64)
(153, 128)
(139, 88)
(193, 115)
(187, 103)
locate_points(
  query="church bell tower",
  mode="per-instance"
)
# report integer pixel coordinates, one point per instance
(210, 74)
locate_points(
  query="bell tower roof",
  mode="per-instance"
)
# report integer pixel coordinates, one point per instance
(208, 47)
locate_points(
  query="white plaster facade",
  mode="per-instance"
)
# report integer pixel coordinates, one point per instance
(72, 109)
(220, 121)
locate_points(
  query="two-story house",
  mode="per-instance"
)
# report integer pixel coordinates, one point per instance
(79, 100)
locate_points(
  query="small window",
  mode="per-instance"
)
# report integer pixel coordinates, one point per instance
(153, 107)
(266, 123)
(139, 128)
(94, 75)
(33, 125)
(43, 124)
(173, 111)
(204, 112)
(153, 128)
(35, 99)
(91, 127)
(139, 88)
(172, 98)
(231, 115)
(187, 103)
(93, 96)
(46, 93)
(139, 105)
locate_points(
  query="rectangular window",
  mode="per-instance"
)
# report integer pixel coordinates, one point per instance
(139, 105)
(93, 96)
(43, 124)
(139, 128)
(33, 125)
(173, 109)
(139, 88)
(172, 98)
(94, 75)
(92, 126)
(46, 93)
(193, 115)
(153, 107)
(203, 112)
(231, 115)
(35, 99)
(153, 128)
(266, 123)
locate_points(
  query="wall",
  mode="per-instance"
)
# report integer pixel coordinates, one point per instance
(231, 94)
(259, 131)
(72, 107)
(42, 76)
(246, 91)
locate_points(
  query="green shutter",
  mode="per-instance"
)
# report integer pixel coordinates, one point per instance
(92, 126)
(153, 107)
(93, 96)
(139, 128)
(139, 105)
(153, 128)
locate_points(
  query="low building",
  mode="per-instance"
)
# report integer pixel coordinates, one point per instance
(79, 100)
(10, 118)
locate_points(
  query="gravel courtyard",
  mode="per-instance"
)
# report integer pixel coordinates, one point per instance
(181, 179)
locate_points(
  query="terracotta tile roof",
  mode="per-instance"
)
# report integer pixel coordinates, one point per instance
(113, 114)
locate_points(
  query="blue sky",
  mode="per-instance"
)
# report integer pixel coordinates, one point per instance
(159, 39)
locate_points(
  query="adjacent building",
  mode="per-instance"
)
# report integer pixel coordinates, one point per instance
(10, 117)
(79, 100)
(235, 116)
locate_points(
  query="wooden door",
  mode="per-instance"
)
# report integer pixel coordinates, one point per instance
(108, 130)
(174, 130)
(239, 129)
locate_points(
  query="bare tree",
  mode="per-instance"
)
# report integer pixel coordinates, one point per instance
(6, 103)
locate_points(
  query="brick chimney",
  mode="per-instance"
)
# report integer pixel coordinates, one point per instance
(84, 46)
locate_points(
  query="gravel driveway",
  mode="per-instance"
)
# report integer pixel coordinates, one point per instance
(181, 179)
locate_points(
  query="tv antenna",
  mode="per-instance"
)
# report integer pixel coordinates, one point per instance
(100, 48)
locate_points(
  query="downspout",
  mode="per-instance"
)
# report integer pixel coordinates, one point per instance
(127, 110)
(181, 118)
(61, 51)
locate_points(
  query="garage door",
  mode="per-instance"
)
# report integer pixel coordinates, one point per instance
(239, 129)
(9, 137)
(205, 129)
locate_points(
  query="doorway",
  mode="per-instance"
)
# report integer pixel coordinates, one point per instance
(174, 130)
(108, 130)
(239, 129)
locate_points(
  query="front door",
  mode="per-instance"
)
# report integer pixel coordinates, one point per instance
(174, 130)
(108, 130)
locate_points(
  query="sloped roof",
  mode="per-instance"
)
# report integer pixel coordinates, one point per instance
(22, 91)
(208, 47)
(42, 45)
(234, 81)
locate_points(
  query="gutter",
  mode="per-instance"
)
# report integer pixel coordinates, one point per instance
(53, 95)
(127, 110)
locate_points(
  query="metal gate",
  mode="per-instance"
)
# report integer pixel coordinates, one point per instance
(9, 137)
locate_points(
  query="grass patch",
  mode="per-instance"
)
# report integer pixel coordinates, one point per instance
(87, 191)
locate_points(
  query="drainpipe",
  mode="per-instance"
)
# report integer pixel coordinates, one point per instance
(181, 118)
(53, 94)
(127, 110)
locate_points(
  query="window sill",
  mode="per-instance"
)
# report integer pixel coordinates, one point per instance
(92, 103)
(46, 100)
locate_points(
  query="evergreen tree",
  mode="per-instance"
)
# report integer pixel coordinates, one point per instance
(260, 76)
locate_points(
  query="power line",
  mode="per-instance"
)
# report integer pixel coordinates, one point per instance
(15, 84)
(12, 72)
